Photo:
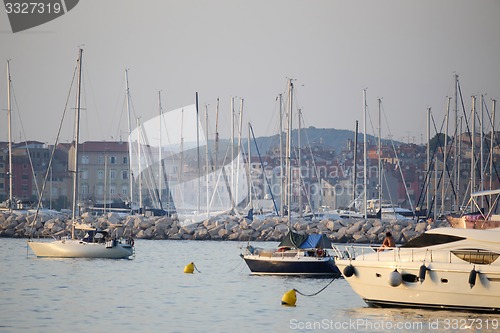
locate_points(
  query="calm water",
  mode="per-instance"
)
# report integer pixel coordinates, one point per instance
(152, 294)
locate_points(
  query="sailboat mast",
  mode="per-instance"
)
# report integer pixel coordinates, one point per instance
(364, 155)
(459, 205)
(130, 149)
(139, 152)
(445, 158)
(217, 135)
(240, 128)
(380, 155)
(491, 142)
(249, 169)
(198, 201)
(77, 138)
(181, 169)
(232, 151)
(456, 160)
(300, 164)
(280, 97)
(428, 206)
(288, 154)
(355, 163)
(206, 162)
(472, 156)
(9, 122)
(435, 185)
(105, 183)
(160, 169)
(481, 151)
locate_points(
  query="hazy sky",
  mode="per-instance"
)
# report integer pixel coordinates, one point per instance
(405, 52)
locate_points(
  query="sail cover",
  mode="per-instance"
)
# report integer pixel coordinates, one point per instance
(300, 241)
(172, 162)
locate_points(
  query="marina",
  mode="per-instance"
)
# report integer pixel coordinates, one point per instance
(236, 166)
(150, 293)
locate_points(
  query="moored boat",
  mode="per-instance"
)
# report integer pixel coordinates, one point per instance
(296, 255)
(387, 208)
(92, 243)
(444, 268)
(480, 218)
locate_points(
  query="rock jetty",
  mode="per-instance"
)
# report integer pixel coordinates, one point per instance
(230, 228)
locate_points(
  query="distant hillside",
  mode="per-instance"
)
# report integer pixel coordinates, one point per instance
(330, 137)
(327, 137)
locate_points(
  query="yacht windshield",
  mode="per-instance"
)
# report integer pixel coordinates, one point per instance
(425, 240)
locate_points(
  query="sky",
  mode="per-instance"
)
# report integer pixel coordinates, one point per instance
(404, 52)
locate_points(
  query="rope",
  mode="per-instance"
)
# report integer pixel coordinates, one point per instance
(316, 293)
(239, 263)
(196, 268)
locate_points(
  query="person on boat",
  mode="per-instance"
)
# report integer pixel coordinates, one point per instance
(388, 242)
(430, 223)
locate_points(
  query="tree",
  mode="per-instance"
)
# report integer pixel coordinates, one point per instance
(438, 141)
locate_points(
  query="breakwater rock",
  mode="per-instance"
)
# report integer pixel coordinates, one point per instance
(231, 228)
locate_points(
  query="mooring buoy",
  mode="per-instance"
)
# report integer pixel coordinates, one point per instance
(189, 269)
(289, 298)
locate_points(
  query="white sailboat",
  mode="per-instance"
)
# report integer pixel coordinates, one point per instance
(92, 243)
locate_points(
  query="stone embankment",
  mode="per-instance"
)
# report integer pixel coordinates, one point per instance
(222, 228)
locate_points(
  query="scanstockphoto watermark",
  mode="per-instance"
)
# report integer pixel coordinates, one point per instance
(366, 325)
(24, 15)
(357, 325)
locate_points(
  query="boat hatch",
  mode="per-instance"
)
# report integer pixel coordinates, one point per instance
(476, 256)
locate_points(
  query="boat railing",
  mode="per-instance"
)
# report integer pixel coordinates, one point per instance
(277, 253)
(377, 253)
(402, 254)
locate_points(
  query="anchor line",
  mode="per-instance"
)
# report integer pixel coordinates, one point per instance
(316, 293)
(240, 262)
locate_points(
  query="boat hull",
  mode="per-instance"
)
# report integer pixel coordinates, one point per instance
(79, 249)
(302, 266)
(445, 286)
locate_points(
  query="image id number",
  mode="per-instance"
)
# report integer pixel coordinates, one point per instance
(32, 8)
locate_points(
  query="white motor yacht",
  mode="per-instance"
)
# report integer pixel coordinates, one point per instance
(445, 268)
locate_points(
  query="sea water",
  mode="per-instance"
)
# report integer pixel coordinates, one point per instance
(150, 293)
